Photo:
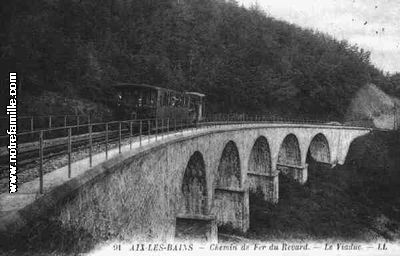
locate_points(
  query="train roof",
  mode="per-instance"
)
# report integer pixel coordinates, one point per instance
(132, 85)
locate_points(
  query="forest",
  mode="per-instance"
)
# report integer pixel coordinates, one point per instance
(242, 59)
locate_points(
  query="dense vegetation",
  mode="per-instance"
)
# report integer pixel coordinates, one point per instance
(242, 59)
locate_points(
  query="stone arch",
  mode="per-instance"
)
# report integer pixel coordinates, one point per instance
(319, 149)
(194, 186)
(289, 151)
(261, 183)
(290, 161)
(230, 204)
(228, 173)
(260, 157)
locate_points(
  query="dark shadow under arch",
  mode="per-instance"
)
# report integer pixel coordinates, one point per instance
(260, 157)
(229, 174)
(289, 152)
(319, 150)
(194, 186)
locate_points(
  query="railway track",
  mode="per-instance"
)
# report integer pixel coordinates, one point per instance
(55, 151)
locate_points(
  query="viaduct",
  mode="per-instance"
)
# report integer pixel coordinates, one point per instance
(187, 186)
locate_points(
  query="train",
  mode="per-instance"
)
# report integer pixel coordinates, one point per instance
(143, 101)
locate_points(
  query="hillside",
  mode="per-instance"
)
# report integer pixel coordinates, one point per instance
(243, 60)
(374, 107)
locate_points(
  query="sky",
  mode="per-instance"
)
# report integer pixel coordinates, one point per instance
(373, 25)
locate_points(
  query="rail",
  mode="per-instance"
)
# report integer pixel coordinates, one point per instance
(71, 143)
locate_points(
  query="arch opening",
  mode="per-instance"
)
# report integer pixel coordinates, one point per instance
(319, 151)
(289, 160)
(260, 157)
(261, 184)
(194, 186)
(229, 199)
(228, 174)
(289, 152)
